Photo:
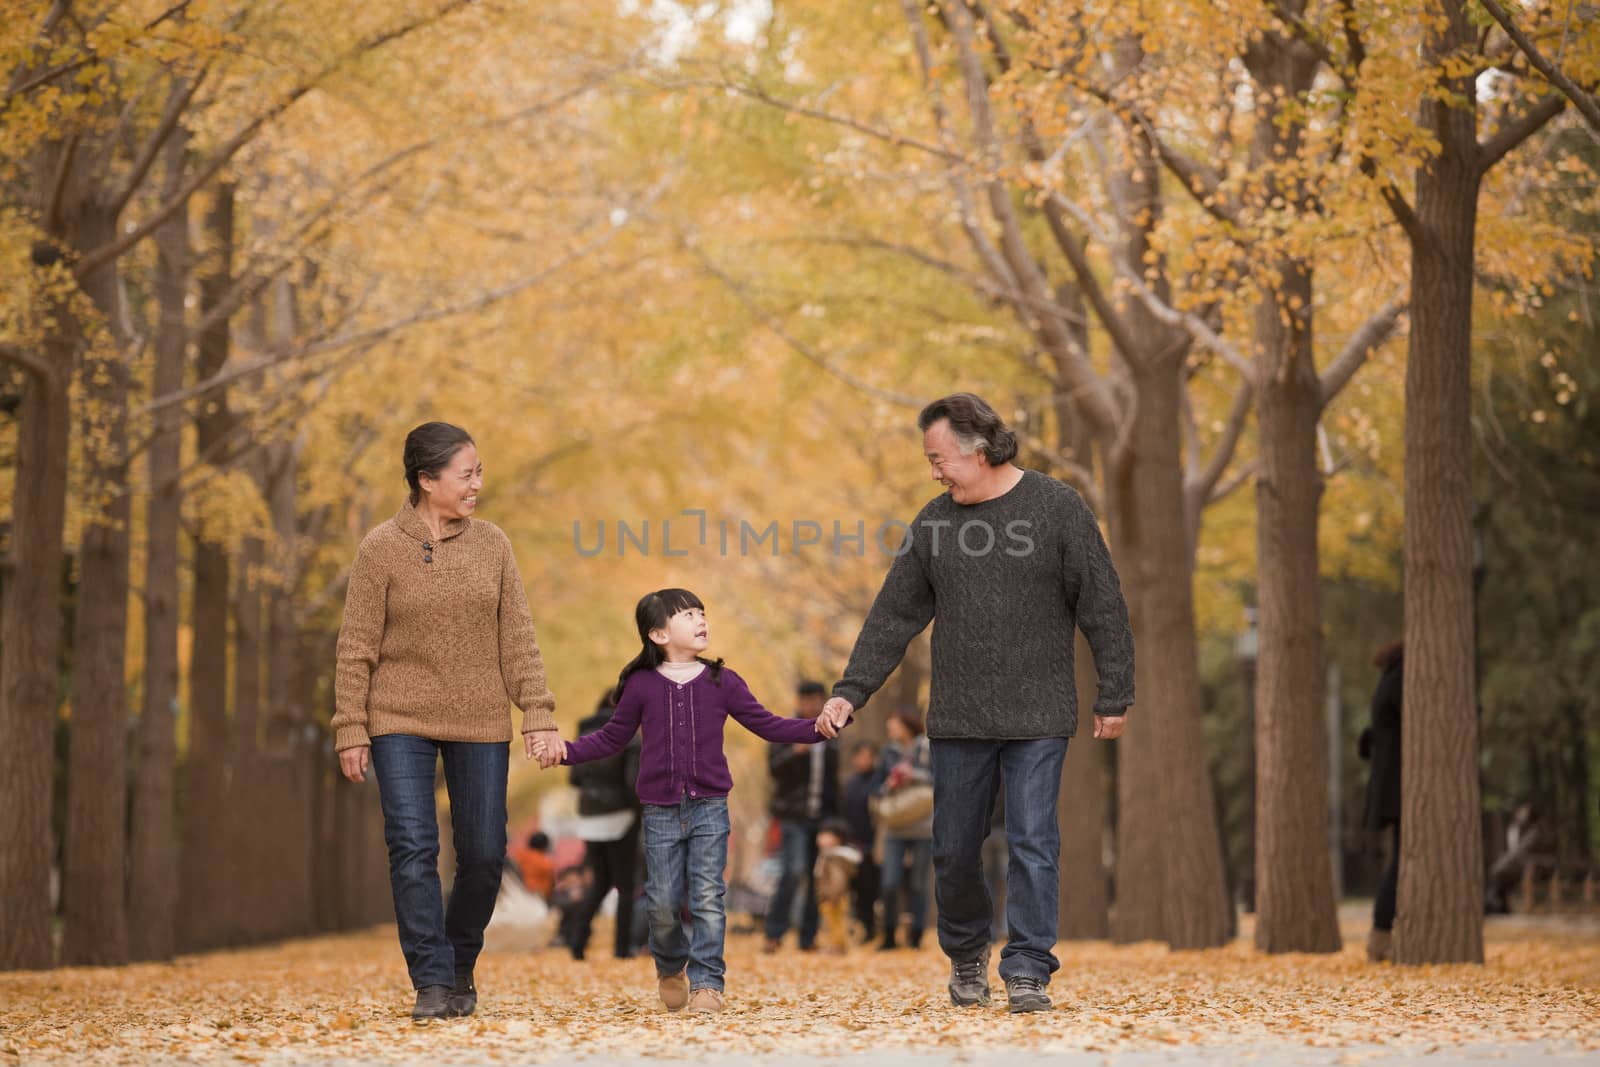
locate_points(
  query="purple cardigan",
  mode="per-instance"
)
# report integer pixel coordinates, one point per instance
(682, 750)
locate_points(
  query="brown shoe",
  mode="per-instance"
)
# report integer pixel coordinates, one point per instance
(674, 990)
(1380, 945)
(705, 1001)
(770, 946)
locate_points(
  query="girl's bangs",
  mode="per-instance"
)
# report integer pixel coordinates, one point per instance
(676, 600)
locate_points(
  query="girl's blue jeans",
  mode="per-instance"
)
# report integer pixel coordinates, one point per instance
(685, 852)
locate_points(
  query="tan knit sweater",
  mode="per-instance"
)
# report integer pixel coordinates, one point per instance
(442, 649)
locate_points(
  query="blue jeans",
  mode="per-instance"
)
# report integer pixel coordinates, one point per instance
(441, 943)
(797, 851)
(895, 851)
(966, 779)
(685, 852)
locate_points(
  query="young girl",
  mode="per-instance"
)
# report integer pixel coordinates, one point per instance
(682, 701)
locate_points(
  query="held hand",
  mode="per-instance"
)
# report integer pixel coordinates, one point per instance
(353, 762)
(546, 746)
(1109, 727)
(835, 713)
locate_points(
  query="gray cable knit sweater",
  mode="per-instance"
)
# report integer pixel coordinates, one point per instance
(1008, 579)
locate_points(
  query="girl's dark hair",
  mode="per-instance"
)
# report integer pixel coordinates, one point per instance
(429, 449)
(652, 613)
(1388, 655)
(972, 418)
(911, 719)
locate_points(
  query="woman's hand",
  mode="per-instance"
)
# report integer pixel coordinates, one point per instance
(354, 761)
(546, 746)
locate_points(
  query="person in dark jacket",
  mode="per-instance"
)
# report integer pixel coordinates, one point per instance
(608, 823)
(858, 792)
(1380, 743)
(805, 790)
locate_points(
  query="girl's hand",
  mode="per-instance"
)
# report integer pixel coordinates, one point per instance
(353, 762)
(546, 746)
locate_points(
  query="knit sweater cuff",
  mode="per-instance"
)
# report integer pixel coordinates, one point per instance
(353, 736)
(538, 720)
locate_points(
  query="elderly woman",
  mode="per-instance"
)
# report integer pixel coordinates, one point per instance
(437, 643)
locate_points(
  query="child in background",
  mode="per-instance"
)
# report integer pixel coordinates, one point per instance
(858, 793)
(682, 702)
(837, 863)
(538, 870)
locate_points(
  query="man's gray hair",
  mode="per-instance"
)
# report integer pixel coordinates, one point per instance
(975, 426)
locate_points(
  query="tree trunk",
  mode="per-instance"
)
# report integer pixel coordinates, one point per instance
(1195, 909)
(30, 652)
(1440, 913)
(152, 888)
(207, 911)
(1295, 906)
(1081, 813)
(1170, 879)
(1140, 871)
(251, 880)
(96, 827)
(289, 736)
(1083, 913)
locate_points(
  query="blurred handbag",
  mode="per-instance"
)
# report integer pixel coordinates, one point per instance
(906, 806)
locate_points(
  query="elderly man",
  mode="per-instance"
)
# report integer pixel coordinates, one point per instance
(1011, 561)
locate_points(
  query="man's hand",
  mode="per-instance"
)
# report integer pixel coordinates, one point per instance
(835, 713)
(544, 745)
(1109, 727)
(354, 761)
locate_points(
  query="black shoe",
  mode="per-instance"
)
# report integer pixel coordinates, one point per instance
(915, 940)
(969, 981)
(1026, 993)
(888, 945)
(463, 998)
(432, 1003)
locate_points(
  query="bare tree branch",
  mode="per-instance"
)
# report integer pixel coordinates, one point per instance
(1515, 131)
(183, 91)
(210, 168)
(1583, 101)
(1366, 340)
(761, 95)
(1191, 323)
(1096, 401)
(772, 322)
(1222, 452)
(18, 356)
(230, 375)
(1240, 478)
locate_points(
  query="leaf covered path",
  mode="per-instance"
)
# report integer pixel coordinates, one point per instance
(345, 999)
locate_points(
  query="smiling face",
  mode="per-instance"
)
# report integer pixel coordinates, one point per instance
(961, 474)
(684, 636)
(454, 493)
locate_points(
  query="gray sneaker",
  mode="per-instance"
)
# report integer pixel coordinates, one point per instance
(969, 981)
(1026, 993)
(432, 1003)
(464, 997)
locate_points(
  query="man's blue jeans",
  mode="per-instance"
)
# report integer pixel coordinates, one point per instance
(967, 775)
(441, 943)
(797, 852)
(685, 853)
